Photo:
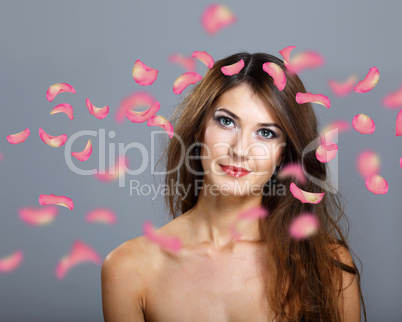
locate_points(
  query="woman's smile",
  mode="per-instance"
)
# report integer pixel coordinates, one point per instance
(234, 171)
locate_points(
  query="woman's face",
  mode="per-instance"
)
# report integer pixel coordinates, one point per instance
(236, 136)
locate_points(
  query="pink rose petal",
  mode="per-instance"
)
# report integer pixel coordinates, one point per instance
(56, 200)
(188, 63)
(276, 73)
(215, 17)
(304, 60)
(133, 101)
(171, 244)
(143, 74)
(326, 153)
(302, 98)
(84, 154)
(363, 124)
(80, 253)
(142, 116)
(54, 141)
(98, 112)
(368, 163)
(18, 137)
(304, 196)
(304, 226)
(38, 216)
(343, 88)
(327, 134)
(63, 108)
(58, 88)
(293, 170)
(114, 173)
(285, 53)
(377, 184)
(11, 262)
(242, 220)
(184, 80)
(369, 82)
(400, 162)
(101, 215)
(204, 57)
(233, 69)
(398, 124)
(158, 120)
(393, 99)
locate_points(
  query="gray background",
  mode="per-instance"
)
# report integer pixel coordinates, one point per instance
(93, 45)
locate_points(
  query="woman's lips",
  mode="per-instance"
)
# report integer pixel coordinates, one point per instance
(234, 171)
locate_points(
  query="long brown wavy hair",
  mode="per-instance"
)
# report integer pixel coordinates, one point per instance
(305, 276)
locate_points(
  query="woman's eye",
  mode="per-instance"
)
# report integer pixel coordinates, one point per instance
(224, 120)
(266, 133)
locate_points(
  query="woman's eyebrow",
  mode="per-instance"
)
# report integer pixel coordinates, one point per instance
(238, 118)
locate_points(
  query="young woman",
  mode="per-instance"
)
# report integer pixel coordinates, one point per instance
(227, 123)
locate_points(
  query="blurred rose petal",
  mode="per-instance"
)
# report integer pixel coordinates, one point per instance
(114, 172)
(328, 133)
(56, 200)
(63, 108)
(188, 63)
(84, 154)
(398, 124)
(215, 17)
(242, 221)
(58, 88)
(11, 262)
(184, 80)
(377, 184)
(393, 99)
(326, 153)
(54, 141)
(276, 73)
(293, 170)
(343, 88)
(368, 163)
(304, 60)
(400, 162)
(38, 216)
(133, 101)
(304, 226)
(80, 253)
(285, 53)
(233, 69)
(101, 215)
(302, 98)
(204, 57)
(304, 196)
(369, 82)
(98, 112)
(159, 120)
(142, 116)
(363, 124)
(143, 74)
(1, 156)
(171, 244)
(18, 137)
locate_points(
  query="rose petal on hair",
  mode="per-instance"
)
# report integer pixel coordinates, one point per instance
(398, 124)
(80, 253)
(233, 69)
(303, 226)
(11, 262)
(18, 137)
(302, 98)
(114, 172)
(304, 196)
(276, 73)
(243, 219)
(142, 116)
(369, 82)
(171, 244)
(304, 60)
(343, 88)
(363, 124)
(63, 108)
(132, 101)
(326, 153)
(56, 200)
(187, 62)
(84, 154)
(38, 216)
(184, 80)
(327, 134)
(293, 170)
(143, 74)
(393, 99)
(58, 88)
(98, 112)
(368, 163)
(101, 215)
(54, 141)
(204, 57)
(158, 120)
(377, 184)
(215, 17)
(285, 53)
